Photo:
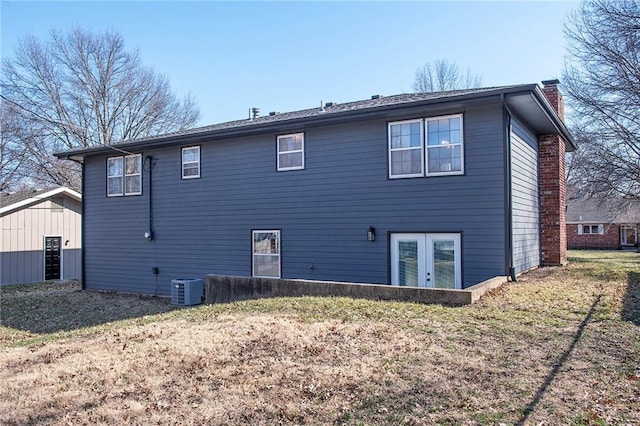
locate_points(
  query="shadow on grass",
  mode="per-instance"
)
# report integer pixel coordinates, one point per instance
(58, 307)
(558, 365)
(631, 303)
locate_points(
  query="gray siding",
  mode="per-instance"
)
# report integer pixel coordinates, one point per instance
(525, 198)
(204, 225)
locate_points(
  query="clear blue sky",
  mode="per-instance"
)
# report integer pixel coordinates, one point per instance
(284, 56)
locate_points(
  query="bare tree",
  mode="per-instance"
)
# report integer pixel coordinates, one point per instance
(81, 89)
(11, 154)
(602, 84)
(441, 75)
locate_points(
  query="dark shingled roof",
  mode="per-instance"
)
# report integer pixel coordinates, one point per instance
(602, 210)
(12, 201)
(335, 111)
(9, 198)
(334, 108)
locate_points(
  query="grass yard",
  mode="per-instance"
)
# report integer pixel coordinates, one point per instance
(562, 346)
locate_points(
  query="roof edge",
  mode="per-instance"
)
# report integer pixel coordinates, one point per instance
(197, 136)
(41, 197)
(555, 118)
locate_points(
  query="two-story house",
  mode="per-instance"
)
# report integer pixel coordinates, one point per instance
(437, 190)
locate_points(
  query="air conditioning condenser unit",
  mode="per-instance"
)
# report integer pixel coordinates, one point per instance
(187, 291)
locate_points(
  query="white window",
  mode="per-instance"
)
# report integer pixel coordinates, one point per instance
(124, 175)
(133, 174)
(191, 162)
(444, 145)
(291, 152)
(266, 254)
(405, 149)
(591, 229)
(426, 147)
(114, 176)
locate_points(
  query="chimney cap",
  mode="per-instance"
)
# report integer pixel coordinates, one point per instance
(553, 82)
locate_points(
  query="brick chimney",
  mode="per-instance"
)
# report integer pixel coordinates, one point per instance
(553, 189)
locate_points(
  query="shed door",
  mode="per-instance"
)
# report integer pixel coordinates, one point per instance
(52, 258)
(426, 260)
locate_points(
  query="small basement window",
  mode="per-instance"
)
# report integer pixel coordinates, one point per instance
(266, 254)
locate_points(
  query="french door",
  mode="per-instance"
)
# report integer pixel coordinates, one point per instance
(426, 260)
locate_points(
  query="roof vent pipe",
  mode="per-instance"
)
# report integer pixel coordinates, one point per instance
(322, 106)
(255, 112)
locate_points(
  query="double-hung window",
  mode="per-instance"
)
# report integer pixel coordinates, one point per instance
(444, 145)
(191, 162)
(291, 152)
(406, 157)
(266, 254)
(124, 175)
(426, 147)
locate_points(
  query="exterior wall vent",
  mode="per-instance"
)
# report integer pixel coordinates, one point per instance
(187, 291)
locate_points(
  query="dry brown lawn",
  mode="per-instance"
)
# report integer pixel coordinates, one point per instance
(562, 346)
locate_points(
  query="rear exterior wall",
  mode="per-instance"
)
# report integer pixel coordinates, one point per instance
(203, 226)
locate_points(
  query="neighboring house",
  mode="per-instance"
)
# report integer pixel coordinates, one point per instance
(426, 189)
(594, 223)
(41, 234)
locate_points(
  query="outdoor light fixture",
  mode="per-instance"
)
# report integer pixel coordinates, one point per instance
(148, 235)
(371, 234)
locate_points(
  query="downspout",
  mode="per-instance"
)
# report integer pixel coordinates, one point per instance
(509, 191)
(82, 220)
(150, 165)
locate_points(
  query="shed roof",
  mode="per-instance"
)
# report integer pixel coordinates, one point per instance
(526, 100)
(10, 201)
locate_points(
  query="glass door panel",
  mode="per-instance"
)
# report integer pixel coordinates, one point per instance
(408, 260)
(408, 263)
(444, 267)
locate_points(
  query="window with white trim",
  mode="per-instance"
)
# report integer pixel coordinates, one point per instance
(291, 152)
(405, 149)
(591, 229)
(265, 247)
(426, 147)
(124, 175)
(191, 162)
(444, 145)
